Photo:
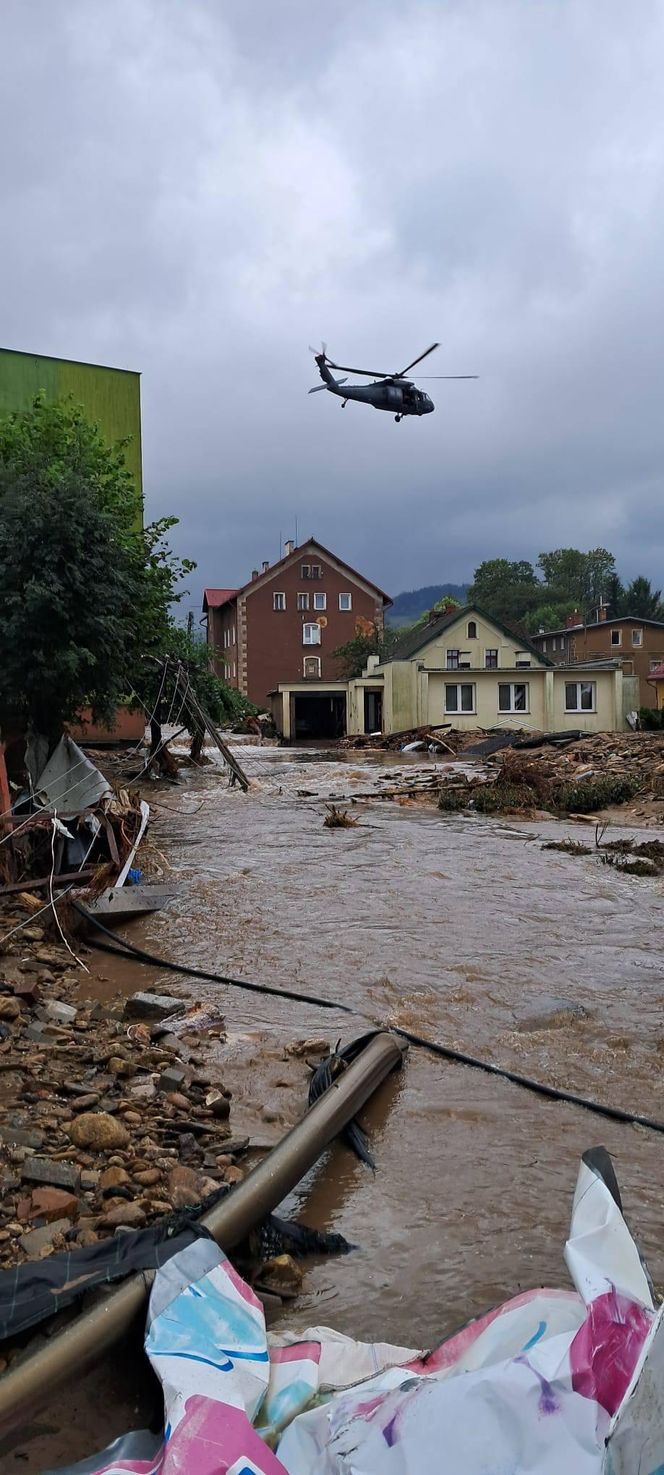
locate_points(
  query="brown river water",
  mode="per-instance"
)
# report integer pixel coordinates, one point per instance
(459, 928)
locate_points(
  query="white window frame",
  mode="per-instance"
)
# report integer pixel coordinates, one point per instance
(654, 662)
(277, 606)
(305, 570)
(637, 638)
(306, 675)
(616, 637)
(320, 603)
(459, 710)
(234, 670)
(234, 641)
(544, 645)
(303, 601)
(578, 685)
(310, 633)
(452, 659)
(491, 650)
(346, 608)
(511, 686)
(316, 571)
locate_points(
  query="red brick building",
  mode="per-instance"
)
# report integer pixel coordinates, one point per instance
(286, 622)
(636, 642)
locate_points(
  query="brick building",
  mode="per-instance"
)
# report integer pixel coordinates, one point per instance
(637, 643)
(284, 625)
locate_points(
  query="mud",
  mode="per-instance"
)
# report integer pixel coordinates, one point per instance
(463, 929)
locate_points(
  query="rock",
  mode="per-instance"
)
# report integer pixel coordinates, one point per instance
(87, 1237)
(85, 1103)
(159, 1206)
(61, 1013)
(210, 1186)
(9, 1009)
(172, 1078)
(98, 1131)
(20, 1136)
(152, 1006)
(39, 1241)
(301, 1048)
(124, 1216)
(54, 1174)
(281, 1274)
(113, 1178)
(175, 1098)
(147, 1177)
(233, 1174)
(90, 1180)
(53, 1203)
(118, 1066)
(218, 1103)
(184, 1187)
(143, 1090)
(132, 1118)
(26, 990)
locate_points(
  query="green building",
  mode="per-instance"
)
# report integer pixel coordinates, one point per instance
(111, 398)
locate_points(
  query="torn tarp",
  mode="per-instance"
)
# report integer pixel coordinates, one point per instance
(552, 1381)
(70, 782)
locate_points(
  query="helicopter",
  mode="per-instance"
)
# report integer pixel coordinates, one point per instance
(388, 392)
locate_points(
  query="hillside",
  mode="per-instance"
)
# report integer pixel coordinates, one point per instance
(408, 606)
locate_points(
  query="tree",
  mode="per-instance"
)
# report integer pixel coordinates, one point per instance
(642, 600)
(71, 581)
(507, 590)
(581, 578)
(369, 640)
(615, 597)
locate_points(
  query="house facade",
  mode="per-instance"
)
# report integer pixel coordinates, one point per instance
(284, 626)
(469, 671)
(637, 643)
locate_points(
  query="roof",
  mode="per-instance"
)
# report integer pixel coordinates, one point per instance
(56, 359)
(597, 624)
(424, 634)
(214, 598)
(311, 543)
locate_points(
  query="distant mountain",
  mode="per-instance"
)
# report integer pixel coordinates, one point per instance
(409, 606)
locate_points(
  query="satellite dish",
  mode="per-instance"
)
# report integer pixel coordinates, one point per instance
(322, 621)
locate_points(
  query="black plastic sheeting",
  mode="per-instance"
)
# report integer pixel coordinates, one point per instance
(30, 1293)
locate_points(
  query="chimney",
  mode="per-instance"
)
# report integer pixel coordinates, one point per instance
(574, 619)
(603, 611)
(254, 574)
(288, 547)
(266, 565)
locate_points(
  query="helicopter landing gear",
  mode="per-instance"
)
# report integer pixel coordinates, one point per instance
(397, 418)
(344, 402)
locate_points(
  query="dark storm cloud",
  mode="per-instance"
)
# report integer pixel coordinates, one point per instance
(199, 190)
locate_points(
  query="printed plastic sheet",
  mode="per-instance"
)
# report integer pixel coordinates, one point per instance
(551, 1381)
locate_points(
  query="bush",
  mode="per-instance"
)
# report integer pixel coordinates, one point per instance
(651, 719)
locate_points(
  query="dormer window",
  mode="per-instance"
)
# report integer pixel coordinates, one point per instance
(472, 630)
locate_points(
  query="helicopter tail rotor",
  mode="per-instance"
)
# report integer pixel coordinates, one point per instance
(318, 351)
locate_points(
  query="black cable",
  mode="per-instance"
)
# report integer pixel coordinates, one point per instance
(446, 1052)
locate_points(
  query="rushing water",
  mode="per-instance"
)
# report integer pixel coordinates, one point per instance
(459, 928)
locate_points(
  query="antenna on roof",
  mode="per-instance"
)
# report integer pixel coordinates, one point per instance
(296, 542)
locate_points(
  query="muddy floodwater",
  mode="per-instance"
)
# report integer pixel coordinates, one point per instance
(465, 930)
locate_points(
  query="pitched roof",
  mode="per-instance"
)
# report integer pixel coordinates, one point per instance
(597, 625)
(251, 584)
(214, 598)
(421, 636)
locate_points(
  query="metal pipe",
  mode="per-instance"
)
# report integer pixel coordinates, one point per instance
(68, 1355)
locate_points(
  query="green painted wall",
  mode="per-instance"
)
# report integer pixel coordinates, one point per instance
(110, 397)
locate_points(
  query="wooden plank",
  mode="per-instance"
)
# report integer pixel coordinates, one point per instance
(42, 883)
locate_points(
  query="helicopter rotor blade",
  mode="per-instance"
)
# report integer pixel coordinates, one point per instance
(317, 351)
(447, 376)
(424, 355)
(368, 373)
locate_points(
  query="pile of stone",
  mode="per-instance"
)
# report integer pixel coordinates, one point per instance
(109, 1116)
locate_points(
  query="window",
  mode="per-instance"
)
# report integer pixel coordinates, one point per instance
(637, 637)
(616, 637)
(464, 660)
(491, 660)
(320, 601)
(544, 645)
(452, 660)
(306, 570)
(554, 643)
(579, 696)
(460, 698)
(472, 630)
(316, 571)
(311, 667)
(311, 634)
(278, 601)
(345, 601)
(303, 601)
(513, 696)
(234, 641)
(522, 659)
(234, 669)
(656, 662)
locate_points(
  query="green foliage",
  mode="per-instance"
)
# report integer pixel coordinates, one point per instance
(651, 719)
(223, 704)
(576, 577)
(69, 569)
(413, 604)
(507, 590)
(372, 641)
(642, 600)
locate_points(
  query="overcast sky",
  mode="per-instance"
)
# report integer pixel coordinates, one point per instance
(199, 189)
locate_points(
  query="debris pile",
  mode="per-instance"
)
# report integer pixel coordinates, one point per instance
(109, 1118)
(414, 739)
(582, 777)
